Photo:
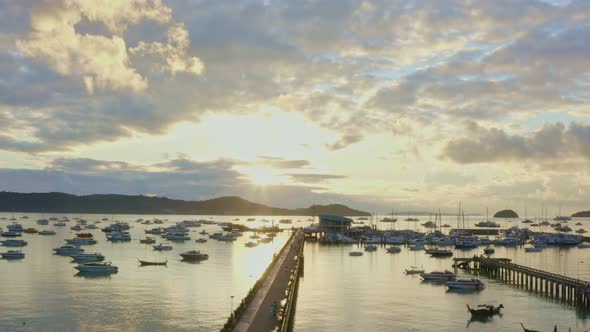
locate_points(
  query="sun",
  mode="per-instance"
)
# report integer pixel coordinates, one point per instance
(262, 175)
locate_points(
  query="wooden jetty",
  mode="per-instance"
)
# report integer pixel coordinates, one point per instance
(569, 290)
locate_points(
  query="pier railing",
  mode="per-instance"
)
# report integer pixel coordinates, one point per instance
(234, 317)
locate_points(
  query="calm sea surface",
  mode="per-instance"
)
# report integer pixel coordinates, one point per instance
(44, 291)
(371, 292)
(337, 293)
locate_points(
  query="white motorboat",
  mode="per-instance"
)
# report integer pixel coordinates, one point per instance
(14, 243)
(439, 275)
(472, 283)
(88, 257)
(193, 255)
(13, 254)
(68, 250)
(97, 267)
(81, 241)
(355, 253)
(161, 247)
(148, 240)
(394, 250)
(46, 232)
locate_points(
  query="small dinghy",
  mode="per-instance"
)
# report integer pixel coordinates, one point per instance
(145, 263)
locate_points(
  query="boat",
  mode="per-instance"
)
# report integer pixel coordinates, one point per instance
(15, 228)
(527, 330)
(148, 240)
(68, 250)
(89, 257)
(562, 218)
(81, 241)
(201, 240)
(394, 250)
(485, 310)
(116, 236)
(13, 254)
(285, 221)
(193, 255)
(446, 226)
(416, 247)
(251, 244)
(97, 267)
(46, 232)
(355, 253)
(14, 243)
(489, 250)
(438, 275)
(59, 224)
(203, 232)
(84, 235)
(144, 263)
(583, 245)
(386, 219)
(440, 253)
(30, 231)
(76, 228)
(472, 283)
(527, 221)
(370, 247)
(251, 219)
(10, 234)
(42, 222)
(581, 231)
(411, 219)
(414, 270)
(161, 247)
(91, 226)
(533, 249)
(155, 231)
(487, 223)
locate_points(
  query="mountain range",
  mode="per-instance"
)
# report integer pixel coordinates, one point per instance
(55, 202)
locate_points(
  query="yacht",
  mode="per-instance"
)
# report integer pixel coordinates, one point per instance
(355, 253)
(89, 257)
(68, 250)
(194, 255)
(472, 283)
(438, 275)
(14, 243)
(46, 232)
(97, 267)
(13, 254)
(161, 247)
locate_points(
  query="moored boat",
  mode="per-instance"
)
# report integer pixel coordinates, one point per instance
(485, 310)
(97, 267)
(489, 250)
(355, 253)
(472, 283)
(68, 250)
(13, 254)
(193, 255)
(162, 247)
(88, 257)
(46, 232)
(144, 262)
(147, 240)
(414, 270)
(439, 275)
(394, 250)
(14, 243)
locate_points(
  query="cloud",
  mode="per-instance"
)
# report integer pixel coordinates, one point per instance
(102, 62)
(552, 141)
(313, 178)
(276, 162)
(343, 142)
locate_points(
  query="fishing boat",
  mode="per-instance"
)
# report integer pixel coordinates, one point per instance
(13, 254)
(485, 310)
(14, 243)
(84, 235)
(414, 270)
(30, 231)
(46, 232)
(162, 247)
(355, 253)
(438, 275)
(97, 267)
(472, 283)
(193, 255)
(144, 263)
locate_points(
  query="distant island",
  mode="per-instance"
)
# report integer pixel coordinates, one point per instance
(581, 214)
(126, 204)
(506, 214)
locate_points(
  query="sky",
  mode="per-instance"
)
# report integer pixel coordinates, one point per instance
(380, 105)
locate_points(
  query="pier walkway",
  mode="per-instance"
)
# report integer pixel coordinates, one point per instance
(258, 316)
(570, 290)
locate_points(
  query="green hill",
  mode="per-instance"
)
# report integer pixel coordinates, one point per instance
(506, 214)
(125, 204)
